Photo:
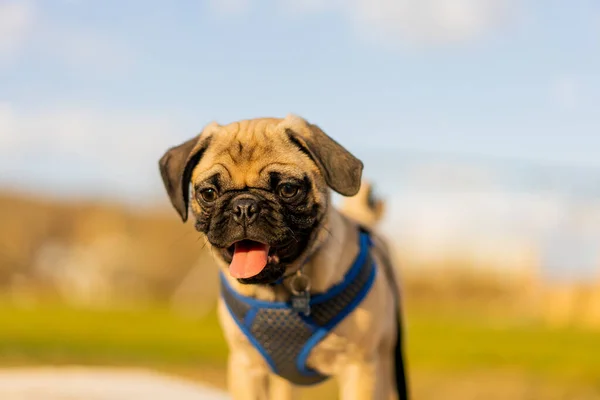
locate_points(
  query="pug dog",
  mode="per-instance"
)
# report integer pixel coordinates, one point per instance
(259, 190)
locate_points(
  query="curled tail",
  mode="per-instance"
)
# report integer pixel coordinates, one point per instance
(365, 207)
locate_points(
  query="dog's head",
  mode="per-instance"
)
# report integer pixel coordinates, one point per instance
(259, 190)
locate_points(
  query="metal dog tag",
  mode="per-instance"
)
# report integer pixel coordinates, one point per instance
(300, 286)
(301, 303)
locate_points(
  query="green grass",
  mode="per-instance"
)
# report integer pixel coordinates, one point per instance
(54, 333)
(440, 345)
(461, 343)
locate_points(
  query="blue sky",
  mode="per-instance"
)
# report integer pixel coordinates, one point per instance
(92, 93)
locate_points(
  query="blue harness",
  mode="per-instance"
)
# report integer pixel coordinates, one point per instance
(286, 337)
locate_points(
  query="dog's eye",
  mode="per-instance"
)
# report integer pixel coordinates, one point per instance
(287, 190)
(209, 195)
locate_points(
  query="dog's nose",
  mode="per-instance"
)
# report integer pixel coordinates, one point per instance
(245, 210)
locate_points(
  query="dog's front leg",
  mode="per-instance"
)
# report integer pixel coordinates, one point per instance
(359, 380)
(246, 380)
(281, 389)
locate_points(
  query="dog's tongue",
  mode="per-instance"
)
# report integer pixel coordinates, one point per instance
(249, 258)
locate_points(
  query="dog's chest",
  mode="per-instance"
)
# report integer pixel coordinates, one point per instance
(351, 341)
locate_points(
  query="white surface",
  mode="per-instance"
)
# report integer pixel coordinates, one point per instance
(74, 383)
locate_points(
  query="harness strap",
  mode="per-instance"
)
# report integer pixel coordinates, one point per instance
(284, 337)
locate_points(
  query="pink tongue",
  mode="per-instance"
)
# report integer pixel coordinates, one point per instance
(249, 258)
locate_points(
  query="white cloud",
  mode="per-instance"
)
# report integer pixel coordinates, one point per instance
(84, 49)
(8, 127)
(312, 6)
(16, 21)
(428, 21)
(229, 6)
(565, 92)
(420, 22)
(110, 150)
(500, 227)
(23, 28)
(93, 134)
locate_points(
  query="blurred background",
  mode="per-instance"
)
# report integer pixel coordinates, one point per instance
(477, 121)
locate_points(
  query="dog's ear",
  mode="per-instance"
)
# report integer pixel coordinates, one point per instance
(176, 167)
(341, 170)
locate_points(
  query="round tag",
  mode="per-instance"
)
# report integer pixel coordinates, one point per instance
(300, 283)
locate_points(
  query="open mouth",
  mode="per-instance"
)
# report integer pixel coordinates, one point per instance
(249, 258)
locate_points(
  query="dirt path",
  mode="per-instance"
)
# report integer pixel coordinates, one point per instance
(79, 383)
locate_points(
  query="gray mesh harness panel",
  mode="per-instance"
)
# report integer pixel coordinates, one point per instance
(285, 337)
